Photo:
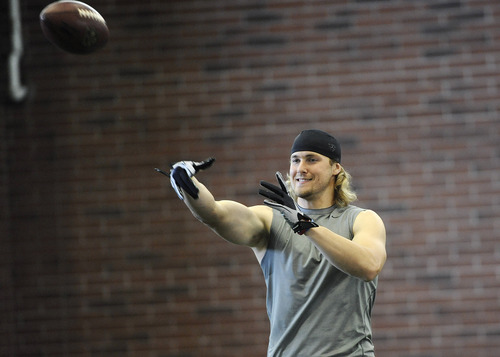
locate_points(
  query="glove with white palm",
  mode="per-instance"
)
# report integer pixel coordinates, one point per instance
(181, 173)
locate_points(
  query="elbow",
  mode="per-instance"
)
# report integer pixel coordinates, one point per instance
(364, 273)
(372, 271)
(370, 274)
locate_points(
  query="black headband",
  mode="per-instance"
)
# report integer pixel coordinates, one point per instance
(319, 142)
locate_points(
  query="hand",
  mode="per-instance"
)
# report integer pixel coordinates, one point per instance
(181, 173)
(280, 200)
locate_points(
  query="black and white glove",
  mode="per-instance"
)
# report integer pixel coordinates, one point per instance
(280, 200)
(181, 173)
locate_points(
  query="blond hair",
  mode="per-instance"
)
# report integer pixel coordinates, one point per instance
(343, 192)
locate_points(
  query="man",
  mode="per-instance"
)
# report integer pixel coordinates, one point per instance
(320, 255)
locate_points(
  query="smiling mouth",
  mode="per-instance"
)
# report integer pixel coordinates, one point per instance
(302, 180)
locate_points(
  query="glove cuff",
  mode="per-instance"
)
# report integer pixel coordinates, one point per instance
(301, 227)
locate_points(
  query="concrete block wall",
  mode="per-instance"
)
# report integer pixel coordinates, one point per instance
(100, 258)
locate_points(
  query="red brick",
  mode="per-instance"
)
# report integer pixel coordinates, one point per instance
(99, 257)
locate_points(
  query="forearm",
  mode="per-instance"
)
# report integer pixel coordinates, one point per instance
(348, 256)
(231, 220)
(205, 207)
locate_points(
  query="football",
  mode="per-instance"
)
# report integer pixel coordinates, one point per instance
(74, 27)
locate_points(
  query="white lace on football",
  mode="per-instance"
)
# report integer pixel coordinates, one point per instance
(89, 14)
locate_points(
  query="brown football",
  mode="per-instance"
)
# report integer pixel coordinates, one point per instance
(74, 26)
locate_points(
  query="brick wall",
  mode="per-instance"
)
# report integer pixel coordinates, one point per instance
(99, 257)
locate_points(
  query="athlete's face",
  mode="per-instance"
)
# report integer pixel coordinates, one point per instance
(312, 178)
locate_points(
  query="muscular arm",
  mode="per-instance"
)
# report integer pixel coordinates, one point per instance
(236, 223)
(364, 255)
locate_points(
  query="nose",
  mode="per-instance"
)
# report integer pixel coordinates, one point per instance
(301, 167)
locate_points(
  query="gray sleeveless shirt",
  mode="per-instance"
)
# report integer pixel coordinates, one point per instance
(314, 308)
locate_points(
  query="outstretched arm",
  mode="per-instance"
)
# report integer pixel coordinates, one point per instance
(233, 221)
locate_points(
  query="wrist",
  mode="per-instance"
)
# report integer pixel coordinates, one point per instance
(302, 227)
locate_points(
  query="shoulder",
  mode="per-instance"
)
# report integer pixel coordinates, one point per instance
(352, 209)
(368, 215)
(370, 222)
(264, 213)
(348, 210)
(358, 213)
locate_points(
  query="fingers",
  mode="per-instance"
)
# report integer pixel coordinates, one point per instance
(181, 173)
(273, 188)
(274, 192)
(162, 172)
(281, 181)
(182, 180)
(204, 164)
(282, 190)
(271, 196)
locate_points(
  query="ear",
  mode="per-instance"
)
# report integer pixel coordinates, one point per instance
(336, 168)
